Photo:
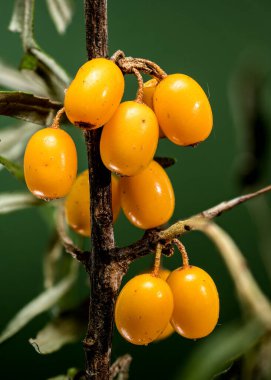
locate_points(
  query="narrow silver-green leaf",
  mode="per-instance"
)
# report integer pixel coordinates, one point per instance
(10, 202)
(40, 304)
(23, 80)
(51, 257)
(17, 19)
(50, 68)
(12, 147)
(22, 22)
(217, 353)
(61, 12)
(28, 107)
(63, 330)
(15, 169)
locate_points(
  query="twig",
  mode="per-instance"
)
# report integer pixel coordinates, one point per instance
(151, 238)
(121, 367)
(181, 227)
(228, 205)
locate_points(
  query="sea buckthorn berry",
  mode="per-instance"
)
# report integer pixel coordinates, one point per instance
(147, 199)
(163, 274)
(129, 140)
(183, 110)
(50, 163)
(143, 309)
(95, 93)
(77, 204)
(196, 302)
(148, 92)
(169, 330)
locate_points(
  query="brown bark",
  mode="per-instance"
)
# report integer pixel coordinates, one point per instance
(104, 272)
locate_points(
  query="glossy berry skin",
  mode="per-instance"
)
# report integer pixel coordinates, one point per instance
(164, 273)
(196, 302)
(129, 140)
(183, 110)
(77, 205)
(148, 92)
(169, 330)
(94, 94)
(143, 309)
(147, 199)
(50, 163)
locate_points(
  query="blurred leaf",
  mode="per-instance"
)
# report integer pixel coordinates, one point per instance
(12, 147)
(61, 12)
(55, 76)
(28, 107)
(10, 202)
(247, 89)
(40, 304)
(72, 372)
(61, 331)
(29, 62)
(165, 162)
(23, 80)
(17, 21)
(217, 353)
(49, 263)
(45, 66)
(13, 168)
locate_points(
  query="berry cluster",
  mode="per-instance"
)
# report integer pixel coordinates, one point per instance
(174, 106)
(152, 306)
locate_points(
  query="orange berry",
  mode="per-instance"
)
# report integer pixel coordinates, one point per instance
(50, 163)
(196, 302)
(129, 140)
(143, 309)
(77, 205)
(169, 330)
(183, 110)
(163, 274)
(148, 92)
(95, 93)
(147, 199)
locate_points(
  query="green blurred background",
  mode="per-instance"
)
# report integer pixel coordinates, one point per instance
(207, 40)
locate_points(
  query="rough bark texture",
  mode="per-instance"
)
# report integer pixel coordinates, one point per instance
(105, 274)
